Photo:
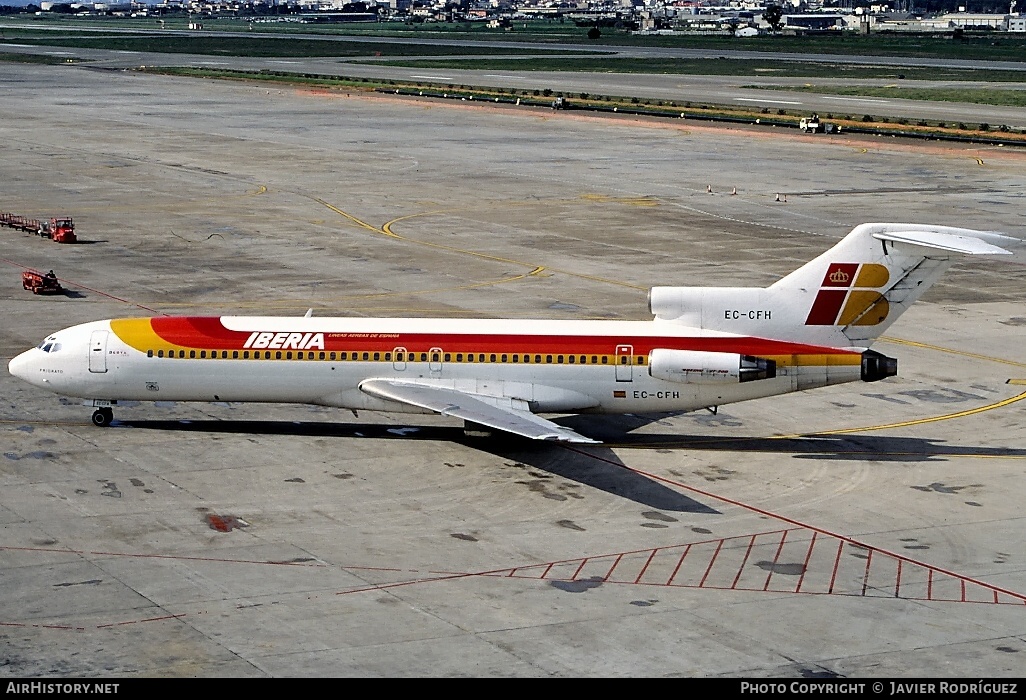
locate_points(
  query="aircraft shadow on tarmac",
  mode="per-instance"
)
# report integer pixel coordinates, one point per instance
(598, 466)
(606, 473)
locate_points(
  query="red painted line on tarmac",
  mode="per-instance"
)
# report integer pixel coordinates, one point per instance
(27, 625)
(865, 577)
(740, 569)
(583, 562)
(712, 561)
(616, 563)
(837, 563)
(147, 619)
(645, 567)
(797, 523)
(805, 564)
(680, 562)
(776, 558)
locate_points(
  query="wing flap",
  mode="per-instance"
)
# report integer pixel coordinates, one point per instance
(950, 242)
(484, 410)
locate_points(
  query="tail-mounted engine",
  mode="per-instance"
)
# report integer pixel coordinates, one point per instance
(694, 367)
(876, 366)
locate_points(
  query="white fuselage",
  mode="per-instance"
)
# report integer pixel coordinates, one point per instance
(552, 366)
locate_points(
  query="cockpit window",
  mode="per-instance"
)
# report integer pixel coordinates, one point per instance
(46, 348)
(49, 345)
(56, 347)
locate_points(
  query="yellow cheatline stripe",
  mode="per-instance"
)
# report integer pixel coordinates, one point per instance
(905, 424)
(938, 348)
(1021, 382)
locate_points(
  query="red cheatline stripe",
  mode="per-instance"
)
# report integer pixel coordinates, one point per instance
(209, 332)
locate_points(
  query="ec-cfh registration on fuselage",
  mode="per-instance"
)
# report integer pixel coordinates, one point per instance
(706, 346)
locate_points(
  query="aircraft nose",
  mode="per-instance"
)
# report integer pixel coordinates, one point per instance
(21, 366)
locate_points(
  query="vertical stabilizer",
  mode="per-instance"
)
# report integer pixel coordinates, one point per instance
(846, 297)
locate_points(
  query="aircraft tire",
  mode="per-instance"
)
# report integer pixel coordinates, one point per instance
(102, 417)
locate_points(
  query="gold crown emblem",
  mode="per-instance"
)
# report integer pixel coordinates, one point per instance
(839, 276)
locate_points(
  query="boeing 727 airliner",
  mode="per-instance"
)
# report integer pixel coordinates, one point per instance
(705, 347)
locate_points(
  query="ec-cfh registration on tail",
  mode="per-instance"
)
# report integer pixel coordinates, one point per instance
(706, 347)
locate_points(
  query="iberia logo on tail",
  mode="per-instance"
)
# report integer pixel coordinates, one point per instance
(850, 294)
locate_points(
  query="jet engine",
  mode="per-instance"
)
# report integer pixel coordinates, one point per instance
(695, 367)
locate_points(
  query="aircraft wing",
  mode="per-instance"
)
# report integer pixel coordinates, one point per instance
(501, 414)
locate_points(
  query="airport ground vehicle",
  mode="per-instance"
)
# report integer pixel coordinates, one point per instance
(57, 228)
(40, 283)
(812, 124)
(815, 125)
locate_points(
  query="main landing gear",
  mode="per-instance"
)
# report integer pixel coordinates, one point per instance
(103, 416)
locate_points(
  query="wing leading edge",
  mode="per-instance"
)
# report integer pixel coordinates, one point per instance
(510, 415)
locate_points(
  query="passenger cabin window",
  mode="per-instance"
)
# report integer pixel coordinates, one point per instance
(160, 353)
(149, 353)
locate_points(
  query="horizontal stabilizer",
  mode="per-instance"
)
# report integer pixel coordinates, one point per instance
(484, 410)
(950, 242)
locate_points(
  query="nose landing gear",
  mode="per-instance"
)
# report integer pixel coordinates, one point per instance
(103, 416)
